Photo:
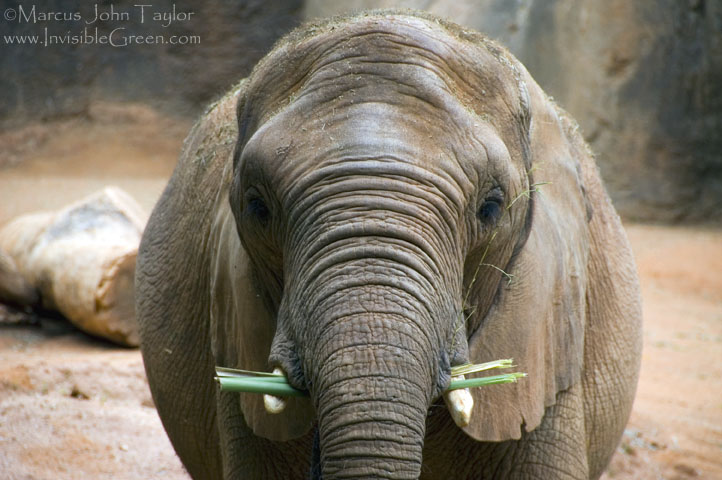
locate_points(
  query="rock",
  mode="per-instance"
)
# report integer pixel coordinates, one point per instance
(81, 259)
(643, 79)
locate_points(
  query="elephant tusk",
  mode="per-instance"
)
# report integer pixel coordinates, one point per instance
(460, 403)
(273, 403)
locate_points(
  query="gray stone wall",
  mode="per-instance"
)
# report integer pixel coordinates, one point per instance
(197, 55)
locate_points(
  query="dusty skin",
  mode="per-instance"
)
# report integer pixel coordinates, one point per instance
(74, 407)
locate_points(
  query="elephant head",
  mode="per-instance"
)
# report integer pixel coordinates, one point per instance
(384, 191)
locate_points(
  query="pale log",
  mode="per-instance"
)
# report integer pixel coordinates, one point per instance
(81, 259)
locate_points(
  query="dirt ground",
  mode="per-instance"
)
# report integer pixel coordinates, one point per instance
(75, 407)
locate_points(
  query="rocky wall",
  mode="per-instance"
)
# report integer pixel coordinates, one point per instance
(176, 56)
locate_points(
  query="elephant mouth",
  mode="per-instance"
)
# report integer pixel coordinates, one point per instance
(457, 398)
(459, 401)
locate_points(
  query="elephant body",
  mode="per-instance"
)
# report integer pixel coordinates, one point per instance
(386, 196)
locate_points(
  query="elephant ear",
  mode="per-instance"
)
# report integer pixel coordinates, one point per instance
(242, 328)
(538, 319)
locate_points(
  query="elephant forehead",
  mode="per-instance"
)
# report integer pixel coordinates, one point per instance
(399, 88)
(382, 66)
(292, 145)
(388, 58)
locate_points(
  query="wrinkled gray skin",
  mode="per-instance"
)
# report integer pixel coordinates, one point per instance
(385, 173)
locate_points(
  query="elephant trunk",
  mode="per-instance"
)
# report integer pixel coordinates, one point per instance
(374, 356)
(369, 317)
(372, 398)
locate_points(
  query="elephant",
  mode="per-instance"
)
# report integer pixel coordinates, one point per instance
(388, 195)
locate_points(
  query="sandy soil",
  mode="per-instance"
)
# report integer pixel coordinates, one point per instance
(676, 427)
(72, 406)
(75, 407)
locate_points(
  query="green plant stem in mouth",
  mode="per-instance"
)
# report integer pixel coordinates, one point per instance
(468, 368)
(484, 381)
(234, 380)
(264, 385)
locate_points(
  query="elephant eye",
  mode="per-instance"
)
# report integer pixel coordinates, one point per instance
(257, 208)
(492, 208)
